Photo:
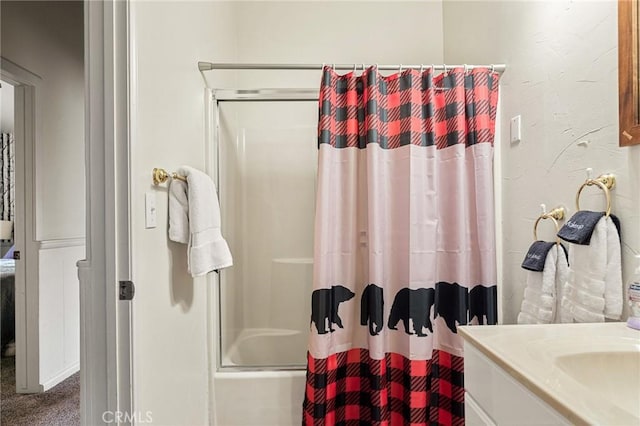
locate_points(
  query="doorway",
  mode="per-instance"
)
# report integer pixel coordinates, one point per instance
(43, 62)
(7, 219)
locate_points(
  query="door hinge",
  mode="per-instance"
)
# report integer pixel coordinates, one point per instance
(127, 290)
(16, 255)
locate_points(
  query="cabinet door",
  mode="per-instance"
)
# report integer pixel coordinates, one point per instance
(505, 400)
(474, 415)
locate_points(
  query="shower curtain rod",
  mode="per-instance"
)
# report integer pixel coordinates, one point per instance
(208, 66)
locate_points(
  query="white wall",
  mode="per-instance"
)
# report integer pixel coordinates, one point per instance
(170, 317)
(6, 113)
(47, 39)
(561, 76)
(335, 32)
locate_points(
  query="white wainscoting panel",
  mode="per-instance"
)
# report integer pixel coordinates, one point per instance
(59, 310)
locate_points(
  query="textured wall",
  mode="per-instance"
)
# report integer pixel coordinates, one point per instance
(561, 77)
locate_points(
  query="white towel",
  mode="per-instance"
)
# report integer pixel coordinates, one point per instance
(194, 219)
(542, 293)
(178, 212)
(593, 290)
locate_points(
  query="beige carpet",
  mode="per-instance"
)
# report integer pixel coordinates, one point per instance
(58, 406)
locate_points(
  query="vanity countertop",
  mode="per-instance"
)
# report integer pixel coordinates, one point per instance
(589, 373)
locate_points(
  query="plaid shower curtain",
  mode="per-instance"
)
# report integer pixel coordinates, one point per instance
(7, 179)
(404, 244)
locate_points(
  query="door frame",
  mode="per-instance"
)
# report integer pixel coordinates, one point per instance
(105, 338)
(27, 355)
(105, 322)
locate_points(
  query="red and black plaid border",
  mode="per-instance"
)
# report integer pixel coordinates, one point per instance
(408, 108)
(350, 388)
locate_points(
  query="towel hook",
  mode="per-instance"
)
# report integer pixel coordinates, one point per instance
(589, 173)
(555, 215)
(605, 182)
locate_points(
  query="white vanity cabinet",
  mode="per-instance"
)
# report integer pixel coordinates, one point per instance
(494, 397)
(551, 374)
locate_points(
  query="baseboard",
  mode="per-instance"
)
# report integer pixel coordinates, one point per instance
(36, 389)
(64, 374)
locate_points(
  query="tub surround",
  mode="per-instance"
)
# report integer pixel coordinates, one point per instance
(587, 373)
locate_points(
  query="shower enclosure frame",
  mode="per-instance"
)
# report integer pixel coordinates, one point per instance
(214, 97)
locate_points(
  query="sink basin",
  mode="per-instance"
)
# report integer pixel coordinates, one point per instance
(616, 375)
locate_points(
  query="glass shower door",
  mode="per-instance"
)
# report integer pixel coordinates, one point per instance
(267, 172)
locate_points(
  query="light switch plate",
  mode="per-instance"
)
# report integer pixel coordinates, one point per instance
(150, 216)
(516, 129)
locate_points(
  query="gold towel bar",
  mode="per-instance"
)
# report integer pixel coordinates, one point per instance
(604, 182)
(161, 176)
(555, 215)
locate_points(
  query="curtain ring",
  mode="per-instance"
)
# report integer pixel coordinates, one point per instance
(466, 68)
(354, 67)
(493, 68)
(445, 69)
(363, 67)
(400, 68)
(333, 66)
(421, 68)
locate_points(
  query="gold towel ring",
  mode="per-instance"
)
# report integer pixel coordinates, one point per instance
(606, 183)
(555, 215)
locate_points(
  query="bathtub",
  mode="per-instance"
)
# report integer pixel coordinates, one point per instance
(258, 394)
(268, 348)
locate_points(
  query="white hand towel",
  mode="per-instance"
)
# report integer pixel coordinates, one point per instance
(194, 219)
(178, 212)
(593, 290)
(541, 295)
